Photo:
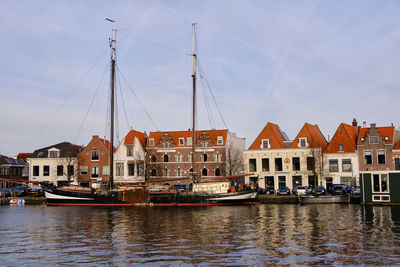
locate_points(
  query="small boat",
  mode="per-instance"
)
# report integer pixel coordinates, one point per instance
(309, 199)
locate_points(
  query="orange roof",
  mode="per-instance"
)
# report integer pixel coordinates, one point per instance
(383, 131)
(345, 135)
(397, 146)
(175, 135)
(273, 133)
(106, 143)
(313, 134)
(130, 137)
(24, 155)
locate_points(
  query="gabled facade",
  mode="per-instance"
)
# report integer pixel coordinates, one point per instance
(57, 164)
(169, 154)
(129, 159)
(341, 158)
(94, 162)
(275, 161)
(11, 168)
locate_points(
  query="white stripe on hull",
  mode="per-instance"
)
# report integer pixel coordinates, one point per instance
(55, 196)
(237, 197)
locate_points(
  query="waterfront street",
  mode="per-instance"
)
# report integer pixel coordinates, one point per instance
(246, 235)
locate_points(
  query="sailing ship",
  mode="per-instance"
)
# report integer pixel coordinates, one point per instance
(215, 193)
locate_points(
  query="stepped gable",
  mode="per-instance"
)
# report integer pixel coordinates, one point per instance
(130, 137)
(314, 137)
(345, 135)
(383, 131)
(272, 132)
(174, 136)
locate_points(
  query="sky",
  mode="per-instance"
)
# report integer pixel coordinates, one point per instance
(286, 62)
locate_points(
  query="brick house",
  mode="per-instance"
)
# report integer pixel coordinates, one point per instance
(169, 154)
(94, 162)
(11, 168)
(341, 158)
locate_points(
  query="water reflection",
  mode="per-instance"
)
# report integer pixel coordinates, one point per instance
(248, 235)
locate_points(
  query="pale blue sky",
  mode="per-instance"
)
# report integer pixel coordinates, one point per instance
(288, 62)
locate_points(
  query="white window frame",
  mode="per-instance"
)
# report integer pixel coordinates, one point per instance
(305, 142)
(106, 170)
(83, 168)
(380, 183)
(151, 141)
(178, 172)
(178, 157)
(268, 143)
(181, 141)
(189, 141)
(380, 198)
(220, 140)
(340, 148)
(372, 158)
(91, 172)
(129, 149)
(119, 168)
(377, 156)
(371, 138)
(91, 155)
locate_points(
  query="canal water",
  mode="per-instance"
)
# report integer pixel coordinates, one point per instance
(162, 236)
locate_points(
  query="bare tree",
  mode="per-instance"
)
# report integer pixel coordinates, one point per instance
(234, 159)
(315, 162)
(69, 168)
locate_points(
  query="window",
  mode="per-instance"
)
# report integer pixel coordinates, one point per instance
(310, 163)
(252, 165)
(265, 165)
(278, 165)
(140, 168)
(178, 172)
(367, 157)
(346, 165)
(106, 170)
(380, 183)
(205, 157)
(60, 170)
(53, 154)
(296, 163)
(129, 152)
(218, 157)
(178, 158)
(151, 141)
(46, 170)
(131, 169)
(190, 157)
(84, 170)
(166, 145)
(386, 138)
(153, 172)
(166, 158)
(281, 181)
(189, 141)
(265, 143)
(381, 156)
(70, 170)
(217, 172)
(220, 140)
(165, 172)
(95, 155)
(297, 180)
(153, 158)
(119, 168)
(35, 170)
(203, 144)
(374, 140)
(95, 172)
(362, 139)
(333, 165)
(181, 141)
(340, 148)
(204, 172)
(397, 164)
(302, 142)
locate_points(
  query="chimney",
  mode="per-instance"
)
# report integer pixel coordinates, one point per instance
(392, 124)
(354, 123)
(364, 124)
(373, 125)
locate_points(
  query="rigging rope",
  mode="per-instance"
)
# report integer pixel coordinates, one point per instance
(207, 105)
(123, 103)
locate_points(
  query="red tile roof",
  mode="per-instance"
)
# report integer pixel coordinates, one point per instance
(130, 137)
(397, 146)
(272, 132)
(313, 134)
(24, 155)
(106, 143)
(383, 131)
(345, 135)
(175, 135)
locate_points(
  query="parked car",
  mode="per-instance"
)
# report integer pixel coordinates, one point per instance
(320, 190)
(284, 190)
(309, 190)
(339, 190)
(330, 189)
(180, 187)
(20, 191)
(356, 190)
(5, 192)
(299, 190)
(35, 192)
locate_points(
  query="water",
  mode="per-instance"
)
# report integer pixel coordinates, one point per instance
(247, 235)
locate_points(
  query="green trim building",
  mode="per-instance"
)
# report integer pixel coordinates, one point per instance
(380, 187)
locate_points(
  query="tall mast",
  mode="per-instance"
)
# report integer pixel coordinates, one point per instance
(112, 83)
(194, 61)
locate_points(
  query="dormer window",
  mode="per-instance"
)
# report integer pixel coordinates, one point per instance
(340, 148)
(151, 142)
(265, 144)
(302, 142)
(181, 141)
(220, 140)
(386, 138)
(189, 141)
(362, 139)
(54, 154)
(374, 140)
(129, 151)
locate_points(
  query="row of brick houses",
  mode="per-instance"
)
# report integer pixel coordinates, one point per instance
(160, 156)
(370, 153)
